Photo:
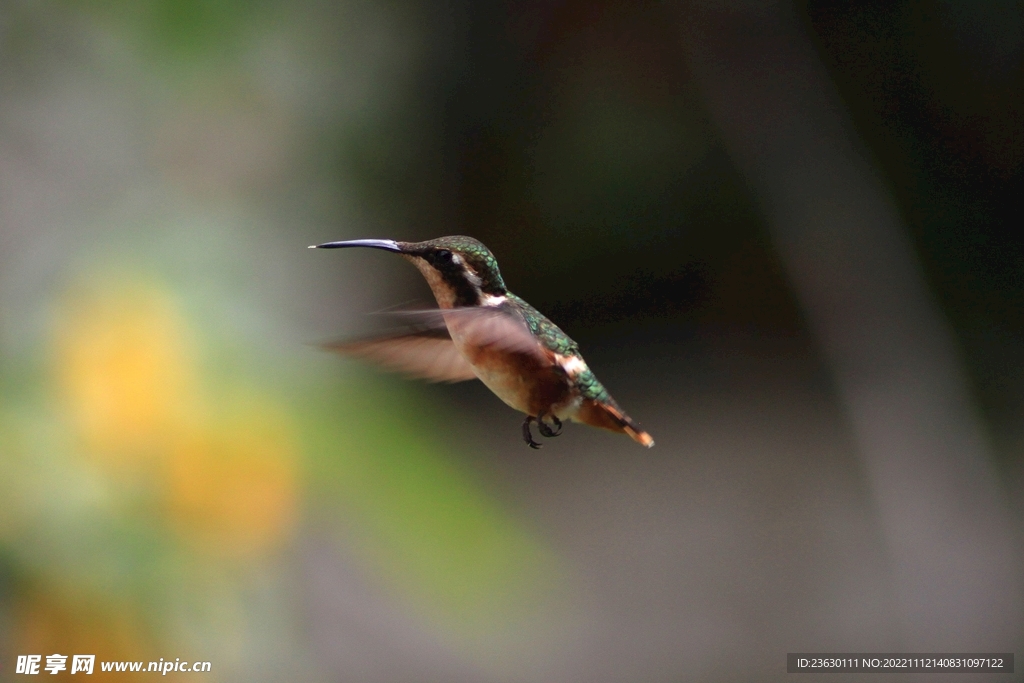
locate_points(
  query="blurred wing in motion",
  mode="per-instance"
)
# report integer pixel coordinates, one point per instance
(428, 354)
(425, 350)
(501, 326)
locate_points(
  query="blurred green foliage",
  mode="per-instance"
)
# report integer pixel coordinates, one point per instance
(183, 29)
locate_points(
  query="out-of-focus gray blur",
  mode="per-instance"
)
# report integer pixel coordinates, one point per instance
(782, 234)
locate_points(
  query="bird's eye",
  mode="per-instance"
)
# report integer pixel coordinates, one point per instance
(443, 256)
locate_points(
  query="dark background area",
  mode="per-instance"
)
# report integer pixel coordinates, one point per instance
(639, 215)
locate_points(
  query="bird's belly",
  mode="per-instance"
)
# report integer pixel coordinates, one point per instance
(508, 386)
(520, 380)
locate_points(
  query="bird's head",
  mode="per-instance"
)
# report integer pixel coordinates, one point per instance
(460, 270)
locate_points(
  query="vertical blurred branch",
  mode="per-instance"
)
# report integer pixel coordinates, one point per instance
(940, 504)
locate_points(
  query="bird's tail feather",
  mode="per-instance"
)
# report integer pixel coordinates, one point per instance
(610, 416)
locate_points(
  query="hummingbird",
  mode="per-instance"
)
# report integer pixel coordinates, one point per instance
(481, 330)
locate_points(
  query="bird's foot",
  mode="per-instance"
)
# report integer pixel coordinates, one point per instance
(527, 435)
(546, 430)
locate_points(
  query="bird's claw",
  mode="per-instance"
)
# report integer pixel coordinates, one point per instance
(527, 436)
(543, 427)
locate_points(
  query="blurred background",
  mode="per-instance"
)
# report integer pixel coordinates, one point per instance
(781, 233)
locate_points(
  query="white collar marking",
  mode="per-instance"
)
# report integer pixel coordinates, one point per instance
(491, 300)
(573, 365)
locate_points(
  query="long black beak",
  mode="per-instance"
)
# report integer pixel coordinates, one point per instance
(387, 245)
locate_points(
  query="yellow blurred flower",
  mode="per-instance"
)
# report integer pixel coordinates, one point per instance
(232, 488)
(48, 622)
(125, 368)
(130, 381)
